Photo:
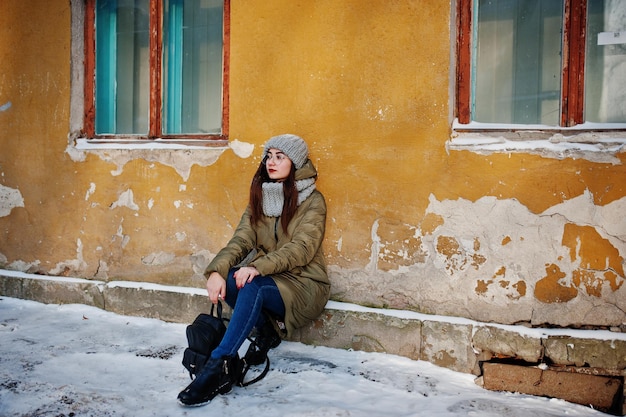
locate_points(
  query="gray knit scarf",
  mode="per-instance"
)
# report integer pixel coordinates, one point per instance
(274, 198)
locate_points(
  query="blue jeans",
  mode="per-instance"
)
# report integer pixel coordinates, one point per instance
(248, 303)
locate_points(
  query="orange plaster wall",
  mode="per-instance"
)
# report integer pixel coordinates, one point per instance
(370, 98)
(34, 88)
(368, 85)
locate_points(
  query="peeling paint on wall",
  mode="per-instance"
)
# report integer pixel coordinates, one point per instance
(158, 259)
(180, 157)
(72, 267)
(495, 258)
(608, 220)
(9, 199)
(92, 189)
(599, 266)
(180, 160)
(124, 239)
(395, 245)
(588, 253)
(559, 259)
(241, 149)
(125, 200)
(19, 265)
(594, 147)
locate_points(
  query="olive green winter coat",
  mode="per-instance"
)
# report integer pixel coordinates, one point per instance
(295, 259)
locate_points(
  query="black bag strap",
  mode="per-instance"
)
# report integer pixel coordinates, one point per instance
(218, 308)
(246, 368)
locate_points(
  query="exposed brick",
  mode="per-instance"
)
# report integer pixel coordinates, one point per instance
(604, 393)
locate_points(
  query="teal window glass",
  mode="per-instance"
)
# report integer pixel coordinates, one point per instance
(516, 68)
(605, 62)
(122, 67)
(191, 71)
(192, 59)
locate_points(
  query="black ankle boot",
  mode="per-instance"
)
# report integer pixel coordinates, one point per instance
(266, 339)
(217, 377)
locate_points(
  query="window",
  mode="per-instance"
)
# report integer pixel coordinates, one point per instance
(156, 69)
(560, 63)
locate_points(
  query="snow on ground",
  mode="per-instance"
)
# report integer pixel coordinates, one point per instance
(77, 360)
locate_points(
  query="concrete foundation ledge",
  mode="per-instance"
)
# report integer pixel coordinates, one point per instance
(456, 343)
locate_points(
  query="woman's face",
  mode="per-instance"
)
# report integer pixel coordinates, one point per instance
(278, 165)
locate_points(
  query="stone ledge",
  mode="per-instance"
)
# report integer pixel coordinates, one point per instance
(52, 290)
(455, 343)
(155, 303)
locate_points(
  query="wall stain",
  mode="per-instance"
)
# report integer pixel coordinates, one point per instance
(448, 246)
(482, 286)
(592, 250)
(520, 286)
(500, 272)
(458, 258)
(550, 289)
(398, 245)
(599, 264)
(430, 223)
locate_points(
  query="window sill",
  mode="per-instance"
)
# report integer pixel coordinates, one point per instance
(84, 144)
(593, 142)
(181, 155)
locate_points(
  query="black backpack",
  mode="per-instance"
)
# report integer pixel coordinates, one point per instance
(203, 335)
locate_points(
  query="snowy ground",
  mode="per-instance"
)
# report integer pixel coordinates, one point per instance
(76, 360)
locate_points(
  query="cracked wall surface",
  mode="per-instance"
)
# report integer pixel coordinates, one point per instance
(497, 237)
(494, 260)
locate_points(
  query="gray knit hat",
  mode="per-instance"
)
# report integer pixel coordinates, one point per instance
(291, 145)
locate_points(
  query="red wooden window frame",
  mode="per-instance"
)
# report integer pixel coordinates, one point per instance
(156, 49)
(572, 69)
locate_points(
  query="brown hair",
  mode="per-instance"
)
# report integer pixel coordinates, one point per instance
(289, 189)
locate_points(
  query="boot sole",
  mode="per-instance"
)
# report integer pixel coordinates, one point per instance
(193, 405)
(221, 390)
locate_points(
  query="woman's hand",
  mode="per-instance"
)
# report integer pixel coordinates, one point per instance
(245, 275)
(216, 287)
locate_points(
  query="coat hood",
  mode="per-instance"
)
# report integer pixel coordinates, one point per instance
(307, 171)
